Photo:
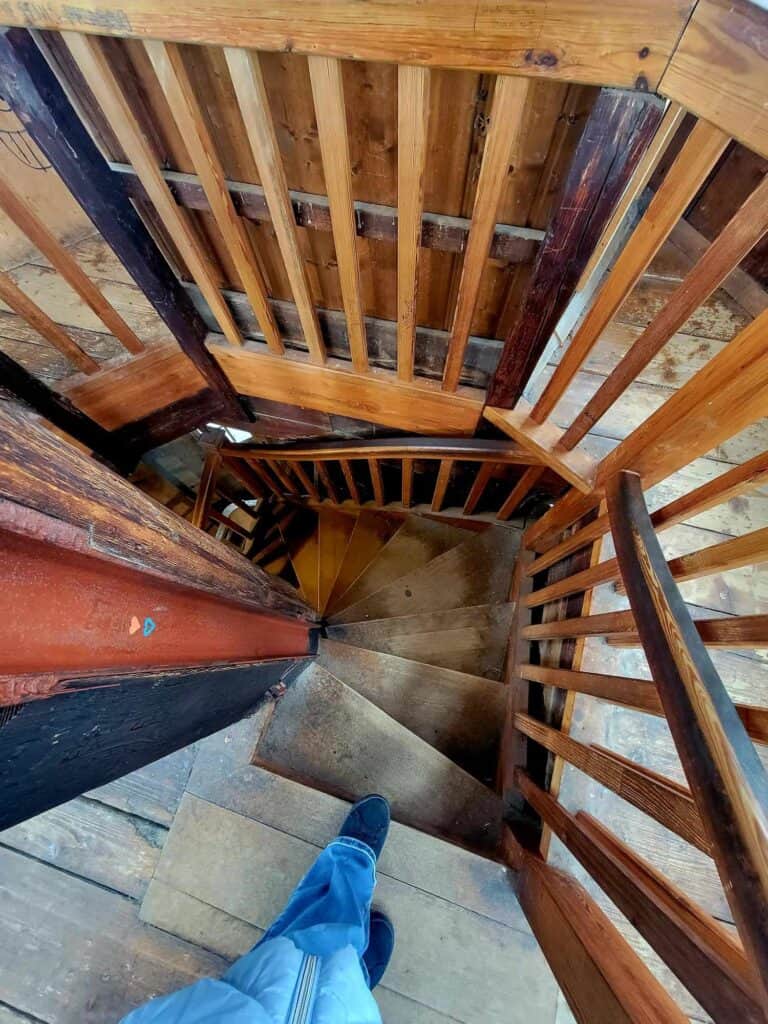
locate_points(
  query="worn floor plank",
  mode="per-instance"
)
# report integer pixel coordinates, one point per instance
(152, 792)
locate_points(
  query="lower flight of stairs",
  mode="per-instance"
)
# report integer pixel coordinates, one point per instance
(405, 695)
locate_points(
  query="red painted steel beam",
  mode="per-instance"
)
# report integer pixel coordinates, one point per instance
(63, 612)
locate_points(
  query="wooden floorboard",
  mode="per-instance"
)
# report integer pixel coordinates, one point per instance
(152, 792)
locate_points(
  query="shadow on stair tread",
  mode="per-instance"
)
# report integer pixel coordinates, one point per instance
(324, 734)
(471, 639)
(372, 531)
(459, 714)
(476, 571)
(417, 542)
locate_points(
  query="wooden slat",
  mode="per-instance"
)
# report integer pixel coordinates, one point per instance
(262, 472)
(521, 489)
(734, 242)
(441, 484)
(248, 81)
(13, 296)
(306, 482)
(482, 476)
(325, 477)
(406, 485)
(640, 694)
(673, 118)
(734, 482)
(665, 801)
(419, 405)
(586, 535)
(601, 976)
(36, 231)
(330, 112)
(102, 82)
(626, 47)
(542, 440)
(206, 490)
(604, 624)
(720, 762)
(412, 129)
(277, 470)
(506, 120)
(229, 523)
(702, 954)
(376, 481)
(724, 43)
(619, 127)
(349, 478)
(246, 476)
(169, 67)
(698, 156)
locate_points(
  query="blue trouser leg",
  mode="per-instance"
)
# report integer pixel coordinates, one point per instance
(330, 908)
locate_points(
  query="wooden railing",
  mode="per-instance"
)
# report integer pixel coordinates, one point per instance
(350, 473)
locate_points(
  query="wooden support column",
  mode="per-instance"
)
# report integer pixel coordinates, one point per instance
(617, 133)
(31, 88)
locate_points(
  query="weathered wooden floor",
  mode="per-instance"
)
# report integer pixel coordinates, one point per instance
(172, 872)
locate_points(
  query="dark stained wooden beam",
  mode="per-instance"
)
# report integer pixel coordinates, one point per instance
(59, 411)
(727, 779)
(31, 88)
(97, 728)
(619, 128)
(173, 421)
(438, 231)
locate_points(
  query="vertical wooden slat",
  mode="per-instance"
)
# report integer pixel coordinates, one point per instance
(28, 310)
(248, 81)
(307, 483)
(441, 484)
(325, 476)
(520, 490)
(206, 490)
(102, 82)
(263, 473)
(173, 77)
(281, 474)
(505, 122)
(30, 224)
(412, 126)
(349, 479)
(406, 485)
(378, 483)
(696, 159)
(482, 476)
(330, 111)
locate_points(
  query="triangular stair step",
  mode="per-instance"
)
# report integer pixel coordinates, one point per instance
(334, 534)
(459, 714)
(417, 542)
(372, 531)
(472, 640)
(477, 571)
(301, 541)
(324, 734)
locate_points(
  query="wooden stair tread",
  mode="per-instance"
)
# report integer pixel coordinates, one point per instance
(417, 542)
(477, 571)
(470, 639)
(334, 534)
(301, 541)
(372, 531)
(459, 714)
(326, 735)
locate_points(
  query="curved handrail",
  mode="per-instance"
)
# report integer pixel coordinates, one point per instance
(470, 449)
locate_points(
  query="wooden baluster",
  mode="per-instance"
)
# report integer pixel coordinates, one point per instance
(412, 129)
(306, 482)
(726, 777)
(441, 484)
(407, 482)
(522, 488)
(376, 481)
(349, 479)
(482, 477)
(325, 477)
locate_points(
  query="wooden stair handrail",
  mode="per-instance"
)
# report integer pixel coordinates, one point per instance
(727, 779)
(471, 449)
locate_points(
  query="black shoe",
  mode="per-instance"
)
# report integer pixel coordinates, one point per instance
(368, 821)
(380, 946)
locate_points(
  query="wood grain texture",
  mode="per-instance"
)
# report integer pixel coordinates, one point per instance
(472, 449)
(406, 482)
(724, 43)
(349, 480)
(206, 490)
(441, 484)
(378, 396)
(43, 239)
(627, 47)
(371, 533)
(506, 120)
(412, 131)
(726, 776)
(330, 112)
(520, 491)
(699, 950)
(248, 81)
(101, 80)
(334, 534)
(696, 159)
(733, 243)
(619, 128)
(666, 801)
(602, 977)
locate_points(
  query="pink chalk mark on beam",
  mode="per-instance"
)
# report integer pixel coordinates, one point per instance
(135, 626)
